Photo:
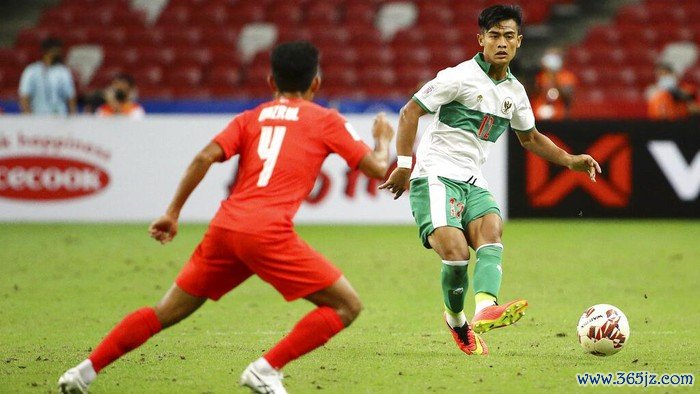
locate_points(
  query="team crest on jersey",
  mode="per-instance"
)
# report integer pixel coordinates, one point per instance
(428, 89)
(479, 98)
(507, 106)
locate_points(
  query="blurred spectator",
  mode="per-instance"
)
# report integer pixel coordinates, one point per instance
(91, 101)
(46, 86)
(120, 98)
(554, 87)
(669, 100)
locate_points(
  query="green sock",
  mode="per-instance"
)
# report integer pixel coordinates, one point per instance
(487, 272)
(454, 284)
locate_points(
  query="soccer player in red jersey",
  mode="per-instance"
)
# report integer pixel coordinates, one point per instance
(282, 145)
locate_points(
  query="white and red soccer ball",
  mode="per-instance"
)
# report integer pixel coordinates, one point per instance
(603, 330)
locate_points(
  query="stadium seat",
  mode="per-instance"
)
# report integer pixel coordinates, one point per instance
(395, 16)
(189, 76)
(256, 37)
(360, 13)
(228, 76)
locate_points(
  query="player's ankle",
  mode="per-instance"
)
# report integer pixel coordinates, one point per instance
(455, 319)
(86, 370)
(483, 300)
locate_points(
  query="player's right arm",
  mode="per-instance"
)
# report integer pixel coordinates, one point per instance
(405, 138)
(164, 228)
(443, 89)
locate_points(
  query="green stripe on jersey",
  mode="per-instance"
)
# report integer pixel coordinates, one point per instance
(420, 103)
(485, 126)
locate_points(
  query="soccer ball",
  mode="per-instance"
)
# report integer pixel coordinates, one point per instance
(603, 330)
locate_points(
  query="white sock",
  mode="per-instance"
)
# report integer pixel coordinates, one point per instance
(87, 372)
(263, 365)
(483, 304)
(455, 320)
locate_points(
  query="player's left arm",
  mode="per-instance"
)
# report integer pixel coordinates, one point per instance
(542, 146)
(375, 163)
(164, 228)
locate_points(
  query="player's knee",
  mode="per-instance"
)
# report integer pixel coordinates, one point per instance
(349, 310)
(169, 315)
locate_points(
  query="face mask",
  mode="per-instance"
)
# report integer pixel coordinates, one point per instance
(552, 61)
(120, 95)
(667, 82)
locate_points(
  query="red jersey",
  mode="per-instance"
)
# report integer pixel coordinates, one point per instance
(282, 145)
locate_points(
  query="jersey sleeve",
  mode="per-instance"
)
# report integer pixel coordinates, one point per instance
(441, 90)
(523, 117)
(26, 87)
(341, 138)
(230, 137)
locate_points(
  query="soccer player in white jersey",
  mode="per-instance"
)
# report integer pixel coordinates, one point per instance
(473, 104)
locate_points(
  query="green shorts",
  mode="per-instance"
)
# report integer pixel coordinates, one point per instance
(438, 202)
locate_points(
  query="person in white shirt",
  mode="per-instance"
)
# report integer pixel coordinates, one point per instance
(46, 86)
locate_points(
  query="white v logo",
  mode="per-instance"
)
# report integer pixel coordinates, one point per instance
(684, 178)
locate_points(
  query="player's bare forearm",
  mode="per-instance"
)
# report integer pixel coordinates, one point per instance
(194, 174)
(73, 106)
(405, 138)
(408, 127)
(542, 146)
(24, 105)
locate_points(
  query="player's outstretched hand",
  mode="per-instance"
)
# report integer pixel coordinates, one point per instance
(163, 229)
(585, 163)
(381, 129)
(397, 182)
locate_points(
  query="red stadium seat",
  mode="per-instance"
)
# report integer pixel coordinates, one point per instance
(323, 13)
(377, 76)
(360, 13)
(175, 15)
(164, 56)
(9, 76)
(412, 55)
(339, 76)
(439, 12)
(199, 57)
(213, 15)
(224, 75)
(184, 76)
(245, 14)
(148, 74)
(286, 15)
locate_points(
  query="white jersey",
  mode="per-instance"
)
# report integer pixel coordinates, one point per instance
(471, 112)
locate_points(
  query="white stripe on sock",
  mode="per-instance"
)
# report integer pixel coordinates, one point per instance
(498, 245)
(456, 263)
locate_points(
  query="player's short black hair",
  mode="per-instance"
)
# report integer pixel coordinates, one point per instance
(50, 43)
(126, 78)
(496, 14)
(294, 65)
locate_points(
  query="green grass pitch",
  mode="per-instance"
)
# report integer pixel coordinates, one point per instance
(62, 287)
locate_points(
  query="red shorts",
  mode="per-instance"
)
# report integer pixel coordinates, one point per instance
(225, 259)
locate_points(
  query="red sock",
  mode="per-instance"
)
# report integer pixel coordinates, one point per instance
(130, 333)
(312, 331)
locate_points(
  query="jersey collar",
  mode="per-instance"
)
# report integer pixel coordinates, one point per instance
(486, 66)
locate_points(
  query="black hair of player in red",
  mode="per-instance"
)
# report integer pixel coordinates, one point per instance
(496, 14)
(294, 66)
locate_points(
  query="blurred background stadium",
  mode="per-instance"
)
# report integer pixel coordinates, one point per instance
(212, 55)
